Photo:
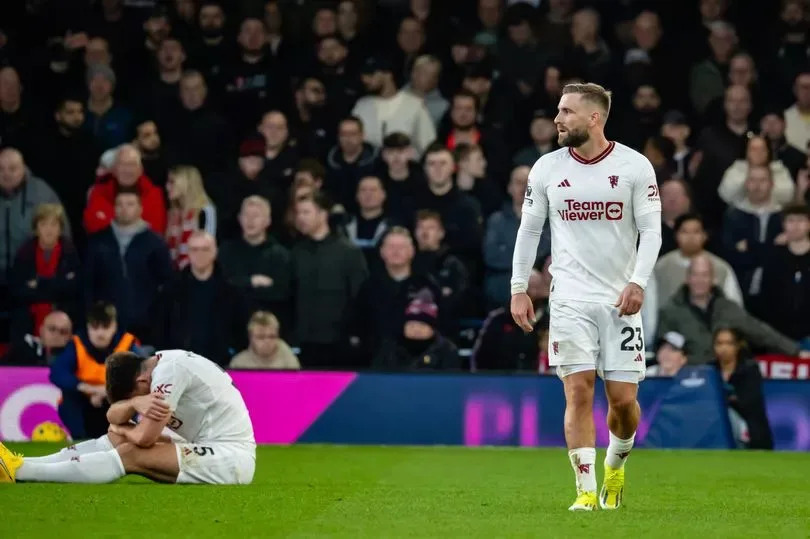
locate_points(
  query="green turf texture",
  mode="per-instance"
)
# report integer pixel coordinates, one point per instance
(337, 491)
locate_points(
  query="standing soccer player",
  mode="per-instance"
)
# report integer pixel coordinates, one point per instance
(599, 196)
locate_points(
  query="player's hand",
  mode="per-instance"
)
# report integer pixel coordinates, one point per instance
(631, 299)
(152, 406)
(97, 399)
(523, 311)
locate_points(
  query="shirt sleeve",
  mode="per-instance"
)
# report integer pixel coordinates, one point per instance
(645, 191)
(534, 214)
(169, 380)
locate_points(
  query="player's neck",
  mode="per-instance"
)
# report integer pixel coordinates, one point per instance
(594, 147)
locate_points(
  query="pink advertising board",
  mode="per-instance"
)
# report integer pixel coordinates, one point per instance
(281, 405)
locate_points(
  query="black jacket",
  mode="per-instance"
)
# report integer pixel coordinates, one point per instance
(744, 394)
(183, 315)
(441, 354)
(327, 278)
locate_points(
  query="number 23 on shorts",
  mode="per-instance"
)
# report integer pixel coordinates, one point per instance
(630, 334)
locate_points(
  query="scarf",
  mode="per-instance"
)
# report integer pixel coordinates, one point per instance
(45, 268)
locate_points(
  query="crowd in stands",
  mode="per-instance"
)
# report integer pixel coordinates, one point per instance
(301, 184)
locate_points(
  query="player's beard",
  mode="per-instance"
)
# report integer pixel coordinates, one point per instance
(573, 138)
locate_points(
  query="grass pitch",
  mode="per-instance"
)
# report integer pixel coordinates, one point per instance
(335, 491)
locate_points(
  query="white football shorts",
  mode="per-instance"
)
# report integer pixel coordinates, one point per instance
(591, 336)
(216, 463)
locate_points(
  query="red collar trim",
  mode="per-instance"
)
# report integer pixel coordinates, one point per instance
(596, 159)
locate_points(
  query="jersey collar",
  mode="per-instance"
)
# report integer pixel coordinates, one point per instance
(596, 159)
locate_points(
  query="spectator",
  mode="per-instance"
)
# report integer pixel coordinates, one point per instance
(389, 110)
(43, 345)
(109, 122)
(367, 228)
(660, 152)
(410, 41)
(676, 128)
(544, 139)
(589, 53)
(707, 78)
(401, 175)
(644, 119)
(671, 355)
(16, 123)
(153, 158)
(435, 260)
(199, 310)
(127, 265)
(757, 154)
(386, 294)
(772, 127)
(274, 25)
(337, 74)
(797, 128)
(461, 126)
(750, 229)
(424, 84)
(743, 387)
(699, 308)
(420, 346)
(328, 272)
(198, 135)
(461, 213)
(313, 121)
(501, 344)
(79, 372)
(676, 200)
(251, 82)
(471, 178)
(160, 96)
(280, 153)
(349, 161)
(499, 241)
(786, 277)
(211, 51)
(267, 350)
(20, 195)
(44, 275)
(127, 173)
(671, 269)
(256, 264)
(66, 158)
(717, 148)
(190, 210)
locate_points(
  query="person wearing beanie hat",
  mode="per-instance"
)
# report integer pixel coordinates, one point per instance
(420, 346)
(111, 124)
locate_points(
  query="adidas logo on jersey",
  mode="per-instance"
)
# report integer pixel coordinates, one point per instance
(639, 358)
(564, 183)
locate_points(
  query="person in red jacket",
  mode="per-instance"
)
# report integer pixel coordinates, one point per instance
(127, 171)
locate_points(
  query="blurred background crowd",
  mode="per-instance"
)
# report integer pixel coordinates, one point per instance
(307, 184)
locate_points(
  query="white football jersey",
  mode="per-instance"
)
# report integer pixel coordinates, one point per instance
(592, 206)
(205, 405)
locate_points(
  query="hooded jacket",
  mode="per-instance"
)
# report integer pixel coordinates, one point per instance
(100, 208)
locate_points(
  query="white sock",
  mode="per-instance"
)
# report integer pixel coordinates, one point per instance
(618, 450)
(583, 461)
(100, 467)
(82, 448)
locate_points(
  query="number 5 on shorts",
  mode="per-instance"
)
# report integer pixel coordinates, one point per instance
(629, 334)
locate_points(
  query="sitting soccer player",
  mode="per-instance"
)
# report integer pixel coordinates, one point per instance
(79, 371)
(177, 389)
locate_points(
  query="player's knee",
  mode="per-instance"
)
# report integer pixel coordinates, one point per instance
(624, 404)
(580, 396)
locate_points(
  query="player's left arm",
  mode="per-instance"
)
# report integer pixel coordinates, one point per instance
(169, 380)
(647, 215)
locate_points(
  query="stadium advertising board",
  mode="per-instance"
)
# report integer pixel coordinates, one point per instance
(450, 409)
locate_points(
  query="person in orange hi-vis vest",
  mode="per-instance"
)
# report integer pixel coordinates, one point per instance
(79, 371)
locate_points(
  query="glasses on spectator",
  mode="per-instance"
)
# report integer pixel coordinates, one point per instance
(61, 330)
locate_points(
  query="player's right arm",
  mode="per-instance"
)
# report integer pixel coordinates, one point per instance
(533, 217)
(149, 406)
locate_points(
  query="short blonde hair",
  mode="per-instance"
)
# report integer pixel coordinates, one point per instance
(591, 92)
(48, 211)
(264, 319)
(256, 200)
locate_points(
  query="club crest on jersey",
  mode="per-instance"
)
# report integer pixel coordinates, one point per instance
(614, 181)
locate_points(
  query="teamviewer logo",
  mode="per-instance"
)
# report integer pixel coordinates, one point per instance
(614, 210)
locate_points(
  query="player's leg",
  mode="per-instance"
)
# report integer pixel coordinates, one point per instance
(158, 463)
(623, 366)
(573, 348)
(580, 433)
